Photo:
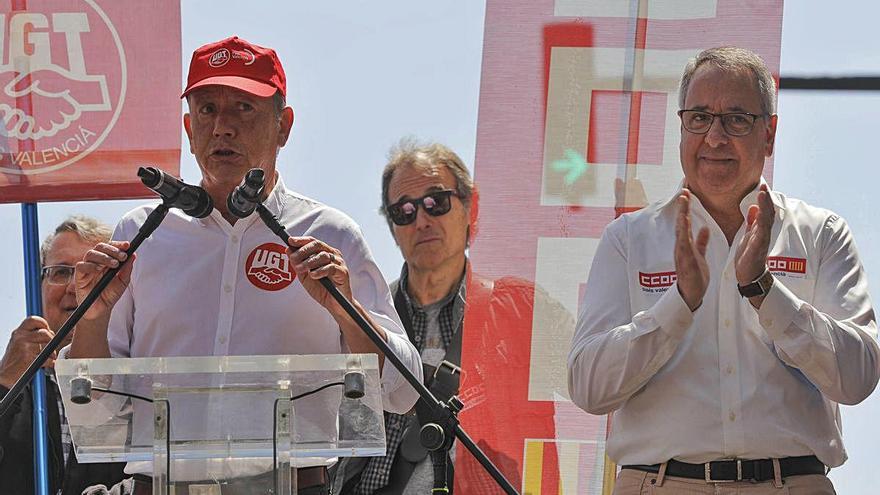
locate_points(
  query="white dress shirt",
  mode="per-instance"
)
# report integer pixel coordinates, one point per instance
(203, 287)
(726, 381)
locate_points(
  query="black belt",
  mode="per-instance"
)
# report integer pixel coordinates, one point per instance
(309, 477)
(738, 470)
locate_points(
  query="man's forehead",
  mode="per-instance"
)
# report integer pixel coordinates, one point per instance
(67, 245)
(414, 178)
(217, 91)
(733, 89)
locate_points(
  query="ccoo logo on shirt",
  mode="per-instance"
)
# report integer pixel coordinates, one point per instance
(657, 280)
(268, 267)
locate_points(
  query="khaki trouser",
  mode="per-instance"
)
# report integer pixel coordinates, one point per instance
(633, 482)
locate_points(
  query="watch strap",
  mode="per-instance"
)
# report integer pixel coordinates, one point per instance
(758, 287)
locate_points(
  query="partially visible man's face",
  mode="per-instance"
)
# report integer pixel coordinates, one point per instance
(717, 166)
(231, 131)
(59, 301)
(428, 242)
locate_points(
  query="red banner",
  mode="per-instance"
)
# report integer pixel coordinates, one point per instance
(577, 125)
(88, 93)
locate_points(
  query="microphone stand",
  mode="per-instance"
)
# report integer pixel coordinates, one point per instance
(435, 435)
(152, 222)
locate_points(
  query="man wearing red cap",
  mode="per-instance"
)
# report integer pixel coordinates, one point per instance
(225, 286)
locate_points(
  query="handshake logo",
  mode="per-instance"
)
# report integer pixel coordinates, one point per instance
(268, 267)
(53, 109)
(56, 83)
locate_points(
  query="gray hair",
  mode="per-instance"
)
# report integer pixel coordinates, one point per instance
(409, 153)
(732, 59)
(87, 228)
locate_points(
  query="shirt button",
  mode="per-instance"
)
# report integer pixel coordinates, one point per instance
(732, 416)
(729, 370)
(227, 288)
(727, 323)
(768, 322)
(234, 238)
(222, 340)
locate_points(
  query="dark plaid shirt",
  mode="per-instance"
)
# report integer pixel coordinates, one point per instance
(377, 471)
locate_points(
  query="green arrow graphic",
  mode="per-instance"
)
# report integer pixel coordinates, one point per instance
(573, 164)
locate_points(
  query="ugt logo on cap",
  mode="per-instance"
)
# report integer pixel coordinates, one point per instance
(62, 85)
(268, 267)
(219, 58)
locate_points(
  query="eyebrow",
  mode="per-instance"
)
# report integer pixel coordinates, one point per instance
(733, 109)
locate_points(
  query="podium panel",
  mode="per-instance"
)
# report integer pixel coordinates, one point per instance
(223, 417)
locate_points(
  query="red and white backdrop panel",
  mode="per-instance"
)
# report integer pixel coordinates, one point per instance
(88, 92)
(577, 124)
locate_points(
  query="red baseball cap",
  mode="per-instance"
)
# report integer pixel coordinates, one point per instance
(237, 63)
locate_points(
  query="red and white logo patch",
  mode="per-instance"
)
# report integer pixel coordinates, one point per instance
(268, 267)
(219, 58)
(659, 280)
(784, 264)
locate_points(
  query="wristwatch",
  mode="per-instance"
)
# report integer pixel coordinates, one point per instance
(758, 287)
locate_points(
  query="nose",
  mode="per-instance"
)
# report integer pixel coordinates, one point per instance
(224, 125)
(716, 136)
(70, 288)
(423, 220)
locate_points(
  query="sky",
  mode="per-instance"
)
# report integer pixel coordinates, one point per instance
(363, 74)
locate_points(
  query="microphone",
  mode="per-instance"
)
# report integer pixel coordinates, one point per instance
(243, 200)
(193, 200)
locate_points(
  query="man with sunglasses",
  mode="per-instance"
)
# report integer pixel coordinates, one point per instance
(59, 253)
(429, 201)
(723, 326)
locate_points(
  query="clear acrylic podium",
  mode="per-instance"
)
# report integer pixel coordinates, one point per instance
(204, 421)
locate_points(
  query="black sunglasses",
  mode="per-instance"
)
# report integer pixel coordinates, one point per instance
(435, 204)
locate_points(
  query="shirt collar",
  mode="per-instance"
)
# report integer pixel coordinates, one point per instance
(750, 199)
(274, 203)
(276, 199)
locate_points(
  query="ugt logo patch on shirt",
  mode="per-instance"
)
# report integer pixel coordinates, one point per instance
(268, 267)
(657, 282)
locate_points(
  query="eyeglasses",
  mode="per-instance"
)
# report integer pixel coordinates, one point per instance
(57, 274)
(435, 204)
(734, 123)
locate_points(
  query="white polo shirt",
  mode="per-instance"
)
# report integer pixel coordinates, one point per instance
(726, 381)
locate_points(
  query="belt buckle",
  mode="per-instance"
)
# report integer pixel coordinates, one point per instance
(452, 369)
(707, 469)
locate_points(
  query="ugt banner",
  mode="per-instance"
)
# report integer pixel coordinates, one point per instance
(577, 124)
(88, 92)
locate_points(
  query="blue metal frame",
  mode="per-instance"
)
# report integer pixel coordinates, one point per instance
(32, 265)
